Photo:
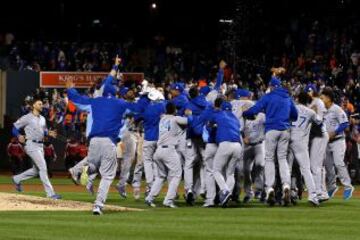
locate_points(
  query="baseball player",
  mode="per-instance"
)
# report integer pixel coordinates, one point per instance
(107, 116)
(166, 157)
(240, 99)
(336, 122)
(279, 111)
(130, 137)
(151, 118)
(209, 137)
(299, 142)
(229, 148)
(254, 154)
(195, 146)
(319, 139)
(105, 89)
(180, 99)
(35, 129)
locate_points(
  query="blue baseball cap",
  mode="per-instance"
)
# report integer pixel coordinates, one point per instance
(242, 93)
(226, 106)
(124, 91)
(109, 91)
(205, 90)
(275, 82)
(177, 86)
(310, 88)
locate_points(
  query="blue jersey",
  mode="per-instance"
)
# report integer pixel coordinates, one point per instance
(107, 114)
(279, 110)
(197, 105)
(180, 103)
(151, 118)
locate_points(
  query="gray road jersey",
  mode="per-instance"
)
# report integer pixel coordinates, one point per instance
(171, 129)
(333, 117)
(254, 130)
(300, 129)
(320, 111)
(237, 106)
(34, 126)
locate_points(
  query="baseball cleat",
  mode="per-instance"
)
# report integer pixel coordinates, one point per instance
(18, 186)
(208, 205)
(121, 190)
(190, 198)
(97, 210)
(74, 177)
(224, 198)
(170, 205)
(294, 197)
(270, 198)
(286, 196)
(258, 195)
(348, 193)
(248, 197)
(136, 193)
(314, 201)
(150, 203)
(332, 192)
(323, 197)
(55, 197)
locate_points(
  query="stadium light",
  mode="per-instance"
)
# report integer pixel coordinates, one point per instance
(153, 6)
(227, 21)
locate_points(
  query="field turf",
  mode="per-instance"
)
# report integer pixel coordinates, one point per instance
(335, 219)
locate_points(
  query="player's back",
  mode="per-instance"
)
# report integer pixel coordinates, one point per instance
(170, 130)
(107, 117)
(300, 129)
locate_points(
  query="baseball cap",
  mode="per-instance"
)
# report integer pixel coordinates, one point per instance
(226, 106)
(310, 88)
(123, 91)
(275, 82)
(242, 93)
(177, 86)
(205, 90)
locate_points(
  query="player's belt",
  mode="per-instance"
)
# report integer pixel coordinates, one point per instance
(35, 141)
(255, 143)
(336, 139)
(166, 146)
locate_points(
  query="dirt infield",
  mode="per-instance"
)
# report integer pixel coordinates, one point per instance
(19, 202)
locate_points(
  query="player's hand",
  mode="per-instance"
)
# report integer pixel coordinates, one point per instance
(117, 60)
(332, 135)
(21, 138)
(188, 112)
(69, 84)
(246, 140)
(222, 64)
(281, 70)
(52, 133)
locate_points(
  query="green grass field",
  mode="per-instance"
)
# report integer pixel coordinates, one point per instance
(335, 219)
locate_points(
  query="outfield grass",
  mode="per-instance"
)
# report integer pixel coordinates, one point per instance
(333, 220)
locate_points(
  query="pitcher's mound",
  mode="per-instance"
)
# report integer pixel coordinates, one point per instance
(20, 202)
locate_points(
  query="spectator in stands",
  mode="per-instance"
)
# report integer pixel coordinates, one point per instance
(16, 154)
(71, 153)
(50, 155)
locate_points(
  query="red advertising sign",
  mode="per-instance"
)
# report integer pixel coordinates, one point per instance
(81, 79)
